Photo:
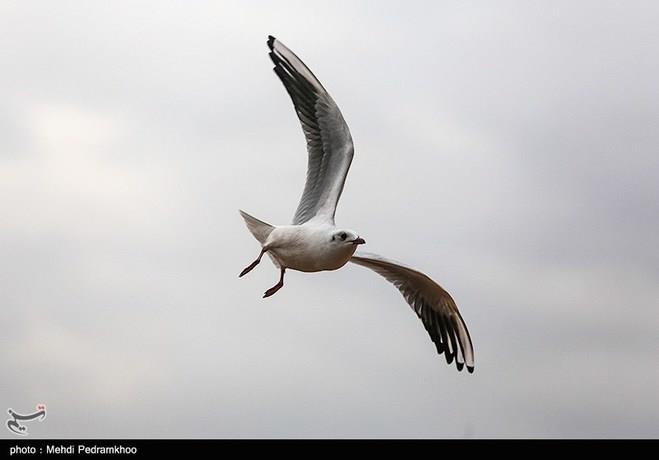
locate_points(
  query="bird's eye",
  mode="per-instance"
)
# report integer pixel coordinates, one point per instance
(343, 236)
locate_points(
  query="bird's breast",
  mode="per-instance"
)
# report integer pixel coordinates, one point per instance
(310, 256)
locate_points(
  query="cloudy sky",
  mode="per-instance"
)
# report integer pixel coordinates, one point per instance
(508, 149)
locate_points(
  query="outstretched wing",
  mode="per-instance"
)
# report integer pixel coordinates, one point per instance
(328, 138)
(432, 304)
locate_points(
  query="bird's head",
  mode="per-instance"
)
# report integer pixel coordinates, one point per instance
(347, 238)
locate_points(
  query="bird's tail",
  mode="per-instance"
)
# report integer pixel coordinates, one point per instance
(261, 230)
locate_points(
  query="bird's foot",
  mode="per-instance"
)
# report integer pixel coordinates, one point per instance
(249, 268)
(273, 289)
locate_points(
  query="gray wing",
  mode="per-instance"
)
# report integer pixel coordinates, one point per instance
(328, 138)
(432, 304)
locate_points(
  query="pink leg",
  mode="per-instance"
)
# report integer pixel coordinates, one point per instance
(252, 265)
(277, 286)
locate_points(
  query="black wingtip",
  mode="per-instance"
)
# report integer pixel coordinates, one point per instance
(470, 369)
(459, 365)
(271, 41)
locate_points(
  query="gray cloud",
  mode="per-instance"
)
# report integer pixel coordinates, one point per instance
(508, 150)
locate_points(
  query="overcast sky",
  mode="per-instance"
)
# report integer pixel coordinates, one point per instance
(510, 150)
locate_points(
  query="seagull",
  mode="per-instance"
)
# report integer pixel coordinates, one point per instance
(313, 242)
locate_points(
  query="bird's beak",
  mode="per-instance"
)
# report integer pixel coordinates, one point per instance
(358, 241)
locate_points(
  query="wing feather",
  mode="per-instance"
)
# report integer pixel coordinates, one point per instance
(432, 304)
(329, 143)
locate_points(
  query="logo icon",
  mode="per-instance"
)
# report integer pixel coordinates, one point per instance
(15, 426)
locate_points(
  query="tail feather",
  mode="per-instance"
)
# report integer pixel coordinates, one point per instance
(261, 230)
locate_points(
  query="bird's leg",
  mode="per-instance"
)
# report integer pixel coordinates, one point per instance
(277, 286)
(253, 264)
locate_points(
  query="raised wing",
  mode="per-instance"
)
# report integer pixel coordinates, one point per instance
(432, 304)
(328, 138)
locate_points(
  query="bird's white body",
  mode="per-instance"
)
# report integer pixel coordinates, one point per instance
(308, 247)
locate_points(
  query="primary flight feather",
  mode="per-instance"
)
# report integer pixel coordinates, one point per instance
(313, 242)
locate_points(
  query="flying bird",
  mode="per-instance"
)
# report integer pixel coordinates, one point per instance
(314, 243)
